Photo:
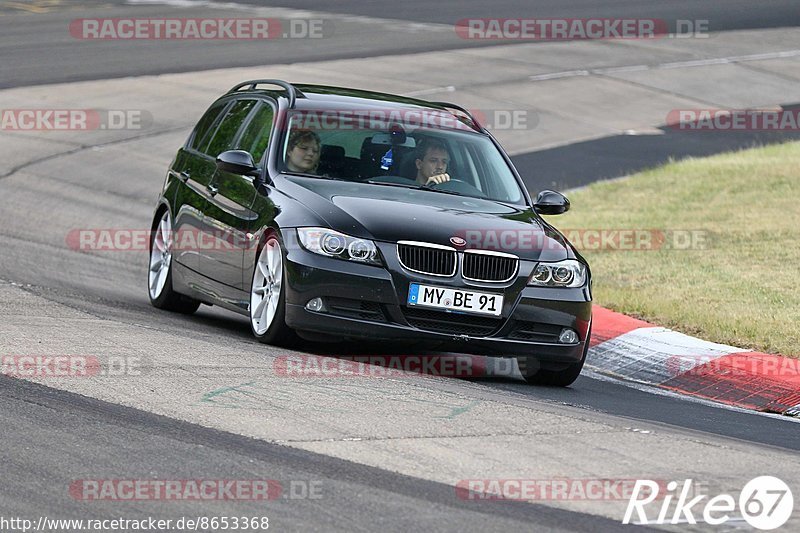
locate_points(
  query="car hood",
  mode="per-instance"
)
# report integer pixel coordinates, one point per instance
(391, 214)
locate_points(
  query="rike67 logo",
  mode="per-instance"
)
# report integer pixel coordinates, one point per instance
(765, 503)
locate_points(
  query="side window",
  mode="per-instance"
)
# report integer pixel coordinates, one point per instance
(226, 132)
(206, 124)
(256, 134)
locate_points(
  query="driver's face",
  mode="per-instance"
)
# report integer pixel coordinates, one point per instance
(435, 162)
(304, 157)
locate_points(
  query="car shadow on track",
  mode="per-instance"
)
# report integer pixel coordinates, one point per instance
(395, 359)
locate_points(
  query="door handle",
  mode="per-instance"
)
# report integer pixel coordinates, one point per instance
(182, 175)
(213, 189)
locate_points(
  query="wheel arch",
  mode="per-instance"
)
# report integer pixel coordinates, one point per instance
(158, 212)
(260, 239)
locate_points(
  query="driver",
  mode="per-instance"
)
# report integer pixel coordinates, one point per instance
(432, 161)
(302, 152)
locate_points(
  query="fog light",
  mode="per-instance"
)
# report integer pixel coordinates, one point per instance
(568, 336)
(316, 305)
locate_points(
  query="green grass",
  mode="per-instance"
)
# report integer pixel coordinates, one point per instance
(743, 288)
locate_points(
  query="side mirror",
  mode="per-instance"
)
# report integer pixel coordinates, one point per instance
(237, 162)
(551, 203)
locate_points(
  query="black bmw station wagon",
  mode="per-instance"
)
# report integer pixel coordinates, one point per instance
(326, 212)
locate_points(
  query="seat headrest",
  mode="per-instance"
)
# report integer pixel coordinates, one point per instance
(332, 151)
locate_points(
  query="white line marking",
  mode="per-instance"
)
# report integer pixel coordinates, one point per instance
(557, 75)
(612, 70)
(671, 65)
(695, 63)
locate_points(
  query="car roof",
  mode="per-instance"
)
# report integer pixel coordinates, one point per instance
(326, 97)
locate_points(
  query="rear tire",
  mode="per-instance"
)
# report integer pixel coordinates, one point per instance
(159, 276)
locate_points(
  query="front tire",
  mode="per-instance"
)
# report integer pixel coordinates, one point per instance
(268, 297)
(159, 277)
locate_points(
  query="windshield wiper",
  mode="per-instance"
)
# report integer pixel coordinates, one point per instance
(419, 188)
(444, 191)
(392, 184)
(319, 176)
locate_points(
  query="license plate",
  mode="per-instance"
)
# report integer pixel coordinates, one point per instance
(455, 299)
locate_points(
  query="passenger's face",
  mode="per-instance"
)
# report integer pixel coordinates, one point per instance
(304, 157)
(435, 162)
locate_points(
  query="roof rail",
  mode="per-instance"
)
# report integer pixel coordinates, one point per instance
(291, 91)
(448, 105)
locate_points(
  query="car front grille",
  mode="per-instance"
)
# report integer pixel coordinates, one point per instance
(428, 259)
(452, 323)
(489, 266)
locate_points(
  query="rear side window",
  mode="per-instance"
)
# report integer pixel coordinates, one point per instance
(226, 131)
(256, 135)
(207, 123)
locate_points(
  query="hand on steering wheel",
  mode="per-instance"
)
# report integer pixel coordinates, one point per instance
(438, 179)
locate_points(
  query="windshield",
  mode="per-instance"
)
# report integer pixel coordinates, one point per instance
(433, 151)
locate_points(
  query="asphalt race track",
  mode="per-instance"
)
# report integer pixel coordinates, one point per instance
(731, 15)
(35, 49)
(369, 498)
(207, 405)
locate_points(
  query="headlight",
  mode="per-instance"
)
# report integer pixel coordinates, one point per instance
(331, 243)
(569, 273)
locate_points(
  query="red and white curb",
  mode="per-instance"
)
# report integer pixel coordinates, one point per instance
(635, 350)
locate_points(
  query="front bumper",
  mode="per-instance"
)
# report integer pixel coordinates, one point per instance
(369, 302)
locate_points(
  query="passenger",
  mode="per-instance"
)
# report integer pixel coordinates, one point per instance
(432, 161)
(302, 151)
